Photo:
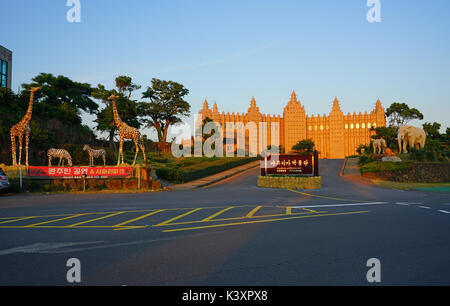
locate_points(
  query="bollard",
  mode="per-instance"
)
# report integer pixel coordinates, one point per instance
(84, 182)
(316, 163)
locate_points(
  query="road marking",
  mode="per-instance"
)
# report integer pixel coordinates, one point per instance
(178, 217)
(45, 248)
(444, 211)
(426, 207)
(243, 217)
(55, 220)
(408, 203)
(324, 197)
(139, 218)
(250, 214)
(17, 219)
(403, 204)
(261, 221)
(340, 205)
(288, 210)
(216, 214)
(96, 219)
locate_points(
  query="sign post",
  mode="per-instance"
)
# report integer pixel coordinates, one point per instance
(316, 163)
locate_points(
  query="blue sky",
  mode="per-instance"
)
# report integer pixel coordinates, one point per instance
(228, 51)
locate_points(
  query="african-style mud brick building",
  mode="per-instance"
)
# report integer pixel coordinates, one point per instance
(336, 135)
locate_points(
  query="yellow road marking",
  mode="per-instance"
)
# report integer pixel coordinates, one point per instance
(96, 219)
(324, 197)
(17, 219)
(216, 214)
(10, 219)
(72, 227)
(261, 221)
(139, 218)
(250, 214)
(242, 218)
(177, 217)
(55, 220)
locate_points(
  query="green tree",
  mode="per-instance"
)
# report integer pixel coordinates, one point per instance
(60, 98)
(56, 117)
(432, 130)
(400, 114)
(166, 106)
(305, 146)
(387, 133)
(126, 107)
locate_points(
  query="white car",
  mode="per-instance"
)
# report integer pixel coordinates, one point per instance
(4, 183)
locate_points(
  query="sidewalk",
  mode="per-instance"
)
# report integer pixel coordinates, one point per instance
(351, 167)
(213, 178)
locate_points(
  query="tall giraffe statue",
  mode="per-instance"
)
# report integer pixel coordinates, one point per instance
(126, 132)
(23, 127)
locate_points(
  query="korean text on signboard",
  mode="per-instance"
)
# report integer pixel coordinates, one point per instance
(287, 164)
(79, 172)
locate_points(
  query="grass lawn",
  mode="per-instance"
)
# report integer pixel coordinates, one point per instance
(441, 187)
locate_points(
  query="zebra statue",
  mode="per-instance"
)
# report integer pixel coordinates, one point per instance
(61, 154)
(95, 154)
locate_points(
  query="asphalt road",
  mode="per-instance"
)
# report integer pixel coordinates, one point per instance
(232, 233)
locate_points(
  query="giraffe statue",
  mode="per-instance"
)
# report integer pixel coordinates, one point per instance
(126, 132)
(23, 127)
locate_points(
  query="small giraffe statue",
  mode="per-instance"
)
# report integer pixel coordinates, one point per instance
(126, 132)
(23, 127)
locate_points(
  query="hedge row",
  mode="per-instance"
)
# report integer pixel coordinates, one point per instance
(181, 174)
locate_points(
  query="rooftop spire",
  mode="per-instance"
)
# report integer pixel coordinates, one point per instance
(336, 107)
(205, 104)
(253, 102)
(293, 96)
(215, 107)
(378, 105)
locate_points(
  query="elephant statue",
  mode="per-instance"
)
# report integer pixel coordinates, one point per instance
(379, 145)
(412, 136)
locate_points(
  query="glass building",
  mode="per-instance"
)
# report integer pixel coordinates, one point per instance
(5, 67)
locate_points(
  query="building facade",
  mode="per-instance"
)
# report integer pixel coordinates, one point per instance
(5, 67)
(336, 135)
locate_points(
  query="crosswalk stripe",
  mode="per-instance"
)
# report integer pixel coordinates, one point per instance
(250, 214)
(96, 219)
(216, 214)
(139, 218)
(17, 219)
(177, 217)
(55, 220)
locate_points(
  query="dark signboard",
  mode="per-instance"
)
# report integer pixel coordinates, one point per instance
(287, 165)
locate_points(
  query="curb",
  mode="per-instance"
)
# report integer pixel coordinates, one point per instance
(174, 187)
(343, 167)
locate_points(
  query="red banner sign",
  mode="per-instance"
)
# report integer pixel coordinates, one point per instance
(287, 164)
(79, 172)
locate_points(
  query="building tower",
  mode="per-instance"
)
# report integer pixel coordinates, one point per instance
(294, 122)
(336, 131)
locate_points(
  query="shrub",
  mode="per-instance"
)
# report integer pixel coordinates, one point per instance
(375, 166)
(366, 158)
(305, 146)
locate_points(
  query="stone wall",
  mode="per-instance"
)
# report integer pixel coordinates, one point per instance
(290, 182)
(417, 173)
